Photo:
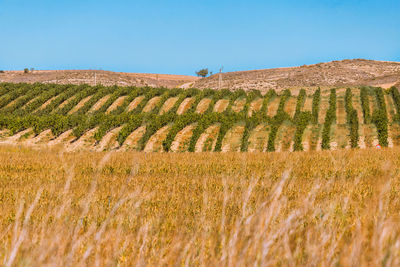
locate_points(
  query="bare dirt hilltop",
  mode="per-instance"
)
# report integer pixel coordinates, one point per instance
(102, 77)
(354, 72)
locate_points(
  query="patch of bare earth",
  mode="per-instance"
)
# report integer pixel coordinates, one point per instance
(80, 105)
(65, 102)
(154, 144)
(221, 105)
(208, 139)
(168, 104)
(85, 142)
(182, 139)
(109, 140)
(307, 104)
(390, 107)
(118, 102)
(340, 110)
(233, 139)
(290, 106)
(255, 106)
(63, 139)
(135, 102)
(345, 73)
(238, 105)
(273, 105)
(285, 136)
(132, 141)
(106, 78)
(99, 103)
(185, 105)
(45, 104)
(151, 104)
(203, 105)
(258, 138)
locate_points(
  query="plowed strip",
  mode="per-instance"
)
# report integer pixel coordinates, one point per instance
(255, 106)
(323, 107)
(185, 105)
(208, 139)
(131, 142)
(285, 137)
(182, 139)
(79, 105)
(273, 106)
(203, 105)
(63, 139)
(290, 106)
(155, 142)
(390, 107)
(238, 105)
(340, 110)
(307, 104)
(151, 104)
(45, 104)
(65, 102)
(120, 100)
(221, 105)
(233, 139)
(99, 103)
(258, 138)
(134, 103)
(85, 142)
(109, 141)
(168, 104)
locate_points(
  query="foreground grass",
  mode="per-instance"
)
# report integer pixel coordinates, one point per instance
(324, 208)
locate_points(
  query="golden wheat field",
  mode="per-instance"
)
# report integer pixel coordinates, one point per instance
(232, 209)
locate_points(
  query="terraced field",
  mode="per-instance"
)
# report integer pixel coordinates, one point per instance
(83, 117)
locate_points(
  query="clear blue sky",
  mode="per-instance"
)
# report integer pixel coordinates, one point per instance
(179, 37)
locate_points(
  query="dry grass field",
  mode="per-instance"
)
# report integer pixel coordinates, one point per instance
(325, 208)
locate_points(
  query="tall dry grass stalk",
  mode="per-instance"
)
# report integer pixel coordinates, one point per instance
(102, 209)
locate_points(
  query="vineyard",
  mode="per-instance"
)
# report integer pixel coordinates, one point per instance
(98, 118)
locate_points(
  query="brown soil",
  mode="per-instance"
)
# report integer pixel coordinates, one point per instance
(185, 105)
(208, 139)
(109, 140)
(80, 105)
(135, 102)
(203, 105)
(233, 139)
(221, 105)
(290, 106)
(106, 78)
(155, 142)
(120, 100)
(238, 105)
(340, 110)
(151, 104)
(258, 138)
(168, 104)
(307, 104)
(255, 106)
(273, 105)
(182, 139)
(345, 73)
(99, 103)
(131, 142)
(45, 104)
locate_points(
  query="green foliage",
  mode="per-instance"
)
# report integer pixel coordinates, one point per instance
(352, 118)
(394, 92)
(365, 105)
(202, 72)
(277, 120)
(329, 119)
(300, 102)
(380, 119)
(315, 105)
(301, 121)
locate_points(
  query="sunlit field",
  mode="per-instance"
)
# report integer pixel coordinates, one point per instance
(211, 209)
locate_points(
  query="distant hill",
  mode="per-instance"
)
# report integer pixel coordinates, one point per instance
(332, 74)
(102, 77)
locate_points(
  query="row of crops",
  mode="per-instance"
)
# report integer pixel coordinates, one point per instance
(207, 116)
